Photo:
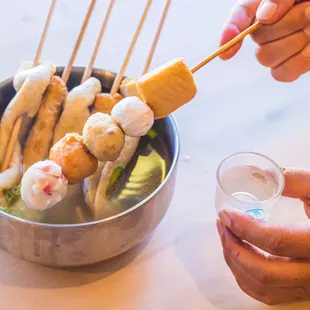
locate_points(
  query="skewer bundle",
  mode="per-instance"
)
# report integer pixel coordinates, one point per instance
(94, 135)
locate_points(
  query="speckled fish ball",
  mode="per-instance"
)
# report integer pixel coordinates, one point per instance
(103, 137)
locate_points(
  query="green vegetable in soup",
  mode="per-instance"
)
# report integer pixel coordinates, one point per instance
(16, 191)
(114, 178)
(152, 133)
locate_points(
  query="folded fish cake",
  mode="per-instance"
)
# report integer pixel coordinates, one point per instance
(168, 87)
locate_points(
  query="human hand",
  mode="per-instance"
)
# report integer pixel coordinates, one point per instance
(283, 40)
(271, 263)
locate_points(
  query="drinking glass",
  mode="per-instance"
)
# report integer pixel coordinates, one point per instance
(250, 182)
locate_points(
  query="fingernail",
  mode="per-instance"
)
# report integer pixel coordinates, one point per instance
(267, 10)
(307, 12)
(224, 217)
(219, 226)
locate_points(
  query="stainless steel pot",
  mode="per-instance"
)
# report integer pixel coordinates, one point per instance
(88, 243)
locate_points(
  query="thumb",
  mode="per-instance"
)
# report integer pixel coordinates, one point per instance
(297, 183)
(270, 11)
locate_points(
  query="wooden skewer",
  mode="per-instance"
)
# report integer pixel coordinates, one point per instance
(227, 46)
(44, 34)
(156, 38)
(89, 69)
(121, 73)
(18, 123)
(66, 73)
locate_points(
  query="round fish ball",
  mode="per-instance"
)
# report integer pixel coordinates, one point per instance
(103, 137)
(134, 116)
(72, 155)
(43, 185)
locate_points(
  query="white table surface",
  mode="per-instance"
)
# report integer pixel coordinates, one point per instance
(238, 108)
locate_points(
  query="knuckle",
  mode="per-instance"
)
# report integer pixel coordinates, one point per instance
(255, 38)
(259, 36)
(262, 56)
(276, 245)
(238, 229)
(262, 276)
(235, 253)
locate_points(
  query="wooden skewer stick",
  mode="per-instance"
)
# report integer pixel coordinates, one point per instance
(121, 73)
(44, 34)
(66, 73)
(156, 38)
(89, 69)
(18, 123)
(227, 46)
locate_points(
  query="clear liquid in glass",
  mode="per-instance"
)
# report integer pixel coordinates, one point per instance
(251, 187)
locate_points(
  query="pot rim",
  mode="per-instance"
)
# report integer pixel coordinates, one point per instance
(125, 212)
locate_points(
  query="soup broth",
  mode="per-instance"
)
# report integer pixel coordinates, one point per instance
(142, 176)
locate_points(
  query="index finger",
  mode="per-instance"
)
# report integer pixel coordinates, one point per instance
(255, 268)
(241, 17)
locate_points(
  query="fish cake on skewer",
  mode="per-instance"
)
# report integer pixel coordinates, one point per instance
(39, 140)
(30, 89)
(103, 137)
(168, 87)
(133, 116)
(76, 108)
(43, 185)
(76, 161)
(11, 176)
(27, 100)
(90, 186)
(105, 102)
(129, 88)
(103, 207)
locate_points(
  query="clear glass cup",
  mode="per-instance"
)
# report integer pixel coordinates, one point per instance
(250, 182)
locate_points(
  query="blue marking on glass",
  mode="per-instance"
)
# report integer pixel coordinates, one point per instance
(257, 213)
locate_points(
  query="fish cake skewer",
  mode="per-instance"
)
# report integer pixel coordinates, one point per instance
(105, 102)
(5, 161)
(98, 200)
